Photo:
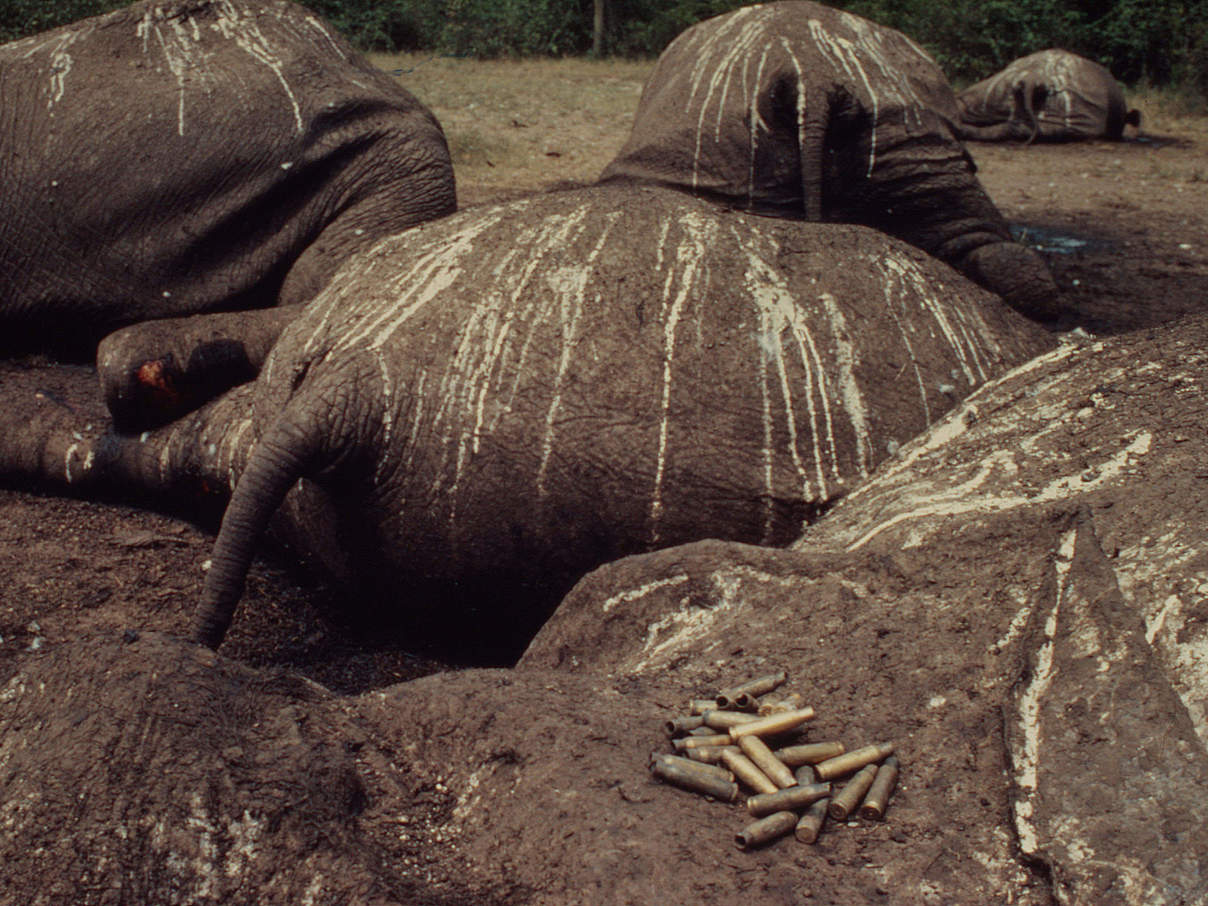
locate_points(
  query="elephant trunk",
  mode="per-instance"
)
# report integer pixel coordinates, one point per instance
(288, 451)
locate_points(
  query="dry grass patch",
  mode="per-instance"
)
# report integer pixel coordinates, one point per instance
(517, 125)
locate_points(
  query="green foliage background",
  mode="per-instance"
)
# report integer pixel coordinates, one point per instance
(1160, 42)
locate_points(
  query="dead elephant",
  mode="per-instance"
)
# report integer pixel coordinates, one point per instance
(1064, 97)
(486, 407)
(182, 156)
(801, 110)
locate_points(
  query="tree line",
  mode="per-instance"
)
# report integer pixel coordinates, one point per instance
(1158, 42)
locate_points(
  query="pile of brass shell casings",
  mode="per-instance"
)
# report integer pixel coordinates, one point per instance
(722, 747)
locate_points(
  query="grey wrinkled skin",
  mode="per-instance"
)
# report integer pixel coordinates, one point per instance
(185, 156)
(484, 408)
(804, 111)
(1052, 95)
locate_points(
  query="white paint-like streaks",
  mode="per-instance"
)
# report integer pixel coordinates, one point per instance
(1027, 756)
(699, 235)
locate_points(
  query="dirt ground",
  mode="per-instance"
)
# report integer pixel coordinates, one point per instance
(1124, 227)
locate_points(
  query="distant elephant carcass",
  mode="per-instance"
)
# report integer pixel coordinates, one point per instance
(1052, 95)
(486, 407)
(183, 156)
(805, 111)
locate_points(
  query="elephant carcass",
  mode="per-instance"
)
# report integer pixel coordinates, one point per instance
(1018, 597)
(487, 406)
(181, 156)
(801, 110)
(1065, 97)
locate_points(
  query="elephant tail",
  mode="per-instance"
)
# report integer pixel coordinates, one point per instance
(290, 449)
(812, 127)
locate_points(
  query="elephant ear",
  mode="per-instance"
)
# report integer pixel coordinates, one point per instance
(292, 448)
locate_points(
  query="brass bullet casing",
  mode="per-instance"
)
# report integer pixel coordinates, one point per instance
(845, 801)
(850, 761)
(743, 695)
(747, 772)
(704, 730)
(757, 750)
(765, 829)
(693, 742)
(724, 720)
(790, 702)
(772, 724)
(687, 778)
(792, 799)
(809, 753)
(805, 775)
(811, 822)
(709, 770)
(701, 705)
(708, 754)
(873, 807)
(678, 726)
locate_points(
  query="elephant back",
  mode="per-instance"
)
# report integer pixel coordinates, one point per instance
(732, 100)
(562, 380)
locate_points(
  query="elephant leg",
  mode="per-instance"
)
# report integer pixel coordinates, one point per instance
(56, 444)
(924, 191)
(154, 372)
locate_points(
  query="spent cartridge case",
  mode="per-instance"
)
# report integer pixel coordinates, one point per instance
(707, 770)
(701, 705)
(790, 702)
(772, 724)
(850, 761)
(844, 802)
(873, 806)
(793, 799)
(708, 754)
(766, 829)
(708, 785)
(809, 753)
(747, 772)
(748, 691)
(757, 750)
(724, 720)
(678, 726)
(693, 742)
(811, 822)
(805, 775)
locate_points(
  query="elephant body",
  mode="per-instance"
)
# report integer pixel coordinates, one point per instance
(196, 155)
(488, 406)
(1065, 97)
(805, 111)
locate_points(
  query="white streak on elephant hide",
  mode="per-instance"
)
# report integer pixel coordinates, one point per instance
(58, 65)
(570, 287)
(699, 236)
(247, 35)
(1028, 759)
(629, 595)
(179, 39)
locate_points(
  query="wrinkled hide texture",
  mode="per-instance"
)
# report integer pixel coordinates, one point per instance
(1080, 98)
(731, 102)
(805, 111)
(1017, 598)
(192, 155)
(519, 393)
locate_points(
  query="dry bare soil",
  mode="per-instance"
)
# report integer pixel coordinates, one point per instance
(1124, 227)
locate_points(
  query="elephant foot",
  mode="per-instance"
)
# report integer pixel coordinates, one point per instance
(1019, 275)
(154, 372)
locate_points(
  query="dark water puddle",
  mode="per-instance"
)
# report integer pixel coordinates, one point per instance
(1061, 242)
